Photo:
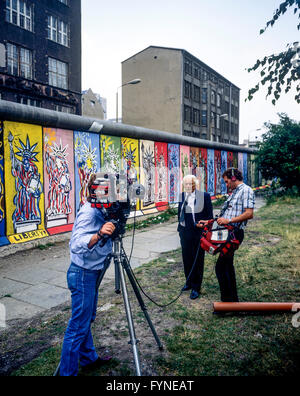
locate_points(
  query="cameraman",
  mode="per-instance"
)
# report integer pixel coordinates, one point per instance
(88, 261)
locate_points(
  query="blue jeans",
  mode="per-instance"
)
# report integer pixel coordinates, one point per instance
(78, 342)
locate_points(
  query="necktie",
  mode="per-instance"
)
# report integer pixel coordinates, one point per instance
(182, 213)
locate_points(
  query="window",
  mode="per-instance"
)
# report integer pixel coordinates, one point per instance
(30, 102)
(196, 72)
(58, 31)
(188, 66)
(204, 95)
(19, 61)
(19, 13)
(65, 109)
(187, 89)
(218, 100)
(187, 114)
(218, 121)
(196, 117)
(58, 73)
(196, 93)
(204, 118)
(213, 97)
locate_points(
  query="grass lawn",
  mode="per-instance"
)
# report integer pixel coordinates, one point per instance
(196, 341)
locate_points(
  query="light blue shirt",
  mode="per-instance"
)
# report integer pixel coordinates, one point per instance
(88, 222)
(242, 198)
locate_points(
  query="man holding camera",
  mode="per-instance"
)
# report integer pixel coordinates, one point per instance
(195, 206)
(88, 261)
(237, 210)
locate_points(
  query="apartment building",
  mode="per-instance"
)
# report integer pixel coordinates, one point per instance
(180, 94)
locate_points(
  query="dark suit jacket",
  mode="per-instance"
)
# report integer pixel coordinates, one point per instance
(203, 211)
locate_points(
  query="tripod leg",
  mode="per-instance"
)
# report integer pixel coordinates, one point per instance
(140, 300)
(117, 277)
(133, 339)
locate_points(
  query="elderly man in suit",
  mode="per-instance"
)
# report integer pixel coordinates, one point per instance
(194, 207)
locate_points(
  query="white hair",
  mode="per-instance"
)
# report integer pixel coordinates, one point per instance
(194, 178)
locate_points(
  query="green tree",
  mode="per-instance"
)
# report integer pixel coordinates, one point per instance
(280, 71)
(279, 152)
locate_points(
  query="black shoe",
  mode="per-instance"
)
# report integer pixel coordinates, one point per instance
(97, 363)
(186, 288)
(194, 295)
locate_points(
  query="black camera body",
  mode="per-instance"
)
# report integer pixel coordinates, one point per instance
(114, 195)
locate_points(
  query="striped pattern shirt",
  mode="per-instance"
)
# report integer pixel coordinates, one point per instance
(241, 199)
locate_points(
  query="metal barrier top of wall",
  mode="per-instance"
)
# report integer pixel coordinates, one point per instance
(10, 111)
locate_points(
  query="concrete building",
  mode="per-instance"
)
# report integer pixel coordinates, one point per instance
(180, 94)
(93, 105)
(40, 53)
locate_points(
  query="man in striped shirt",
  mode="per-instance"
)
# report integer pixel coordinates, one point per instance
(237, 210)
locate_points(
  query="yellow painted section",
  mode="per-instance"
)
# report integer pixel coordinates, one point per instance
(18, 138)
(28, 236)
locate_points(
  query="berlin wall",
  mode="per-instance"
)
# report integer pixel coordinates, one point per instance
(46, 159)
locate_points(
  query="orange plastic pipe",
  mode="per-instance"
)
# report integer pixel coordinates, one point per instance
(254, 307)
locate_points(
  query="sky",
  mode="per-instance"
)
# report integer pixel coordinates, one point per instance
(224, 34)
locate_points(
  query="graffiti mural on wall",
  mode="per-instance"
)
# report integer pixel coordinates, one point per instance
(210, 172)
(194, 161)
(174, 172)
(3, 239)
(218, 173)
(87, 161)
(184, 161)
(229, 159)
(147, 177)
(44, 174)
(110, 154)
(161, 175)
(59, 176)
(203, 169)
(223, 169)
(130, 161)
(24, 180)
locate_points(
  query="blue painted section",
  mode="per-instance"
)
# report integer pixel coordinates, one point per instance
(211, 171)
(223, 169)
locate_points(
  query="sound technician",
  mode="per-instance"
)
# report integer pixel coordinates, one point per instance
(88, 261)
(194, 206)
(237, 210)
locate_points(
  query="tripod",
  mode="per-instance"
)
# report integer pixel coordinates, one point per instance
(122, 266)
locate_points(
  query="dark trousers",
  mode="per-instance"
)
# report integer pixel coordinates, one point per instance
(226, 274)
(190, 245)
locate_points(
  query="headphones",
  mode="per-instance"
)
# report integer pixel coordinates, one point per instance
(233, 177)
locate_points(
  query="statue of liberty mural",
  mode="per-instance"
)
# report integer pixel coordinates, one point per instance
(59, 182)
(86, 165)
(129, 163)
(185, 164)
(149, 172)
(27, 215)
(111, 157)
